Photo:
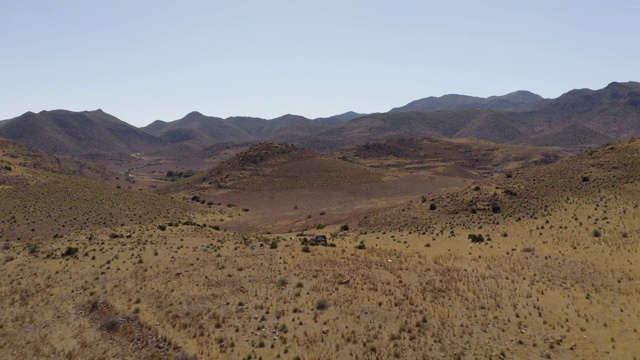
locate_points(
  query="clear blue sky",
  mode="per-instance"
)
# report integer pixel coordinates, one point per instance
(156, 59)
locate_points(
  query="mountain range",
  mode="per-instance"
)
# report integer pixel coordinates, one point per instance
(577, 119)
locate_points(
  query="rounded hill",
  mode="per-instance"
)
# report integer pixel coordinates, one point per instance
(270, 166)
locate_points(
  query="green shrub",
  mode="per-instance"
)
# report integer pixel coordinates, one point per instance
(495, 207)
(344, 227)
(162, 227)
(70, 251)
(361, 246)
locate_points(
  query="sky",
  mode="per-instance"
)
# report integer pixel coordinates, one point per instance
(143, 60)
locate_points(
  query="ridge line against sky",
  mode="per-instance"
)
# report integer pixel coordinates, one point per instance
(145, 60)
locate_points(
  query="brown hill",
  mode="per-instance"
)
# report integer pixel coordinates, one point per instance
(472, 158)
(270, 166)
(613, 111)
(572, 135)
(609, 173)
(73, 133)
(198, 131)
(16, 155)
(482, 123)
(45, 195)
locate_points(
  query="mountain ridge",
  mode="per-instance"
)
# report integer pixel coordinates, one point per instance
(522, 117)
(510, 101)
(67, 132)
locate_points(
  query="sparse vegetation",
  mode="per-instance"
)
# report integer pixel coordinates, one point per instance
(255, 290)
(178, 175)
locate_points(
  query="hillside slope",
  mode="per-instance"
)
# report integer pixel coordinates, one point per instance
(44, 195)
(74, 133)
(271, 166)
(607, 174)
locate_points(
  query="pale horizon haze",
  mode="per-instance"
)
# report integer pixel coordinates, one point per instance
(146, 60)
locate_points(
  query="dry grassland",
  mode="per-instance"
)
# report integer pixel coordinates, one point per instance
(557, 277)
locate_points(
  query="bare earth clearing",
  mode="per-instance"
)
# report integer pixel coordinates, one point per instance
(286, 210)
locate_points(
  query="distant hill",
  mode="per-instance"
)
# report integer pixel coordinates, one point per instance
(269, 166)
(613, 111)
(75, 133)
(338, 119)
(511, 101)
(577, 118)
(284, 128)
(197, 129)
(486, 124)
